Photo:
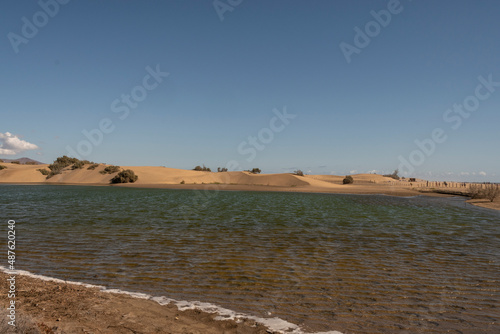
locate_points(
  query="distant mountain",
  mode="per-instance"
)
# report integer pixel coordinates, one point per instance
(23, 161)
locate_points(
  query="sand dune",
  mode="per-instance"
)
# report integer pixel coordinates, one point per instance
(147, 175)
(21, 173)
(360, 178)
(171, 176)
(163, 177)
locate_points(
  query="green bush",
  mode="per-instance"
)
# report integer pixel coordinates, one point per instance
(30, 163)
(221, 170)
(110, 170)
(394, 175)
(202, 169)
(93, 166)
(60, 163)
(298, 172)
(43, 171)
(15, 162)
(348, 180)
(65, 161)
(125, 176)
(255, 171)
(53, 173)
(78, 165)
(55, 168)
(2, 167)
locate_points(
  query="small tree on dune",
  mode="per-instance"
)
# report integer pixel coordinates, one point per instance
(110, 170)
(255, 171)
(125, 176)
(43, 171)
(348, 180)
(202, 169)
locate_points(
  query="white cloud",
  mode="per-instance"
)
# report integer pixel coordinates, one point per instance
(482, 173)
(373, 171)
(465, 173)
(11, 144)
(353, 171)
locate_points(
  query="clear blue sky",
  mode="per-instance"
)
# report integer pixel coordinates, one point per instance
(227, 76)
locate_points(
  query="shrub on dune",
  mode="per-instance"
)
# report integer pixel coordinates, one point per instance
(93, 166)
(202, 169)
(110, 170)
(125, 176)
(2, 167)
(78, 165)
(348, 180)
(55, 168)
(394, 175)
(59, 164)
(298, 172)
(43, 171)
(65, 161)
(15, 162)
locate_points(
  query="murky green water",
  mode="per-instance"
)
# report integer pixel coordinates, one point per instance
(358, 264)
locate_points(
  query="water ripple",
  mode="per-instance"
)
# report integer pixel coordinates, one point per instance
(360, 264)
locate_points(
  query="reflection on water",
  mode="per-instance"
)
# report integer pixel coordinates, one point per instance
(358, 264)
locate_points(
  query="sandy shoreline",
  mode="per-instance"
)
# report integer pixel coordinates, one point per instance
(208, 182)
(55, 307)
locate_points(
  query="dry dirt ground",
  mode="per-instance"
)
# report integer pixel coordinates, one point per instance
(50, 307)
